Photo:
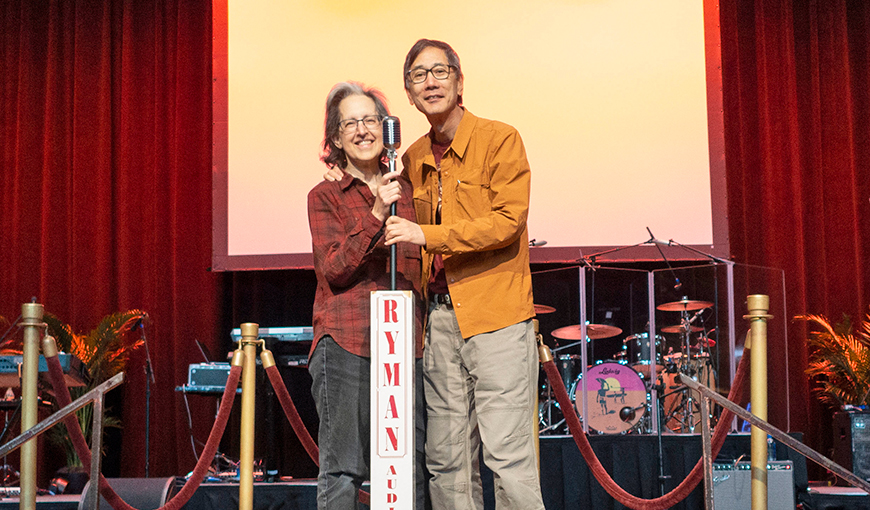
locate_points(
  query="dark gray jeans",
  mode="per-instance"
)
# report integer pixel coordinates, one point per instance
(341, 392)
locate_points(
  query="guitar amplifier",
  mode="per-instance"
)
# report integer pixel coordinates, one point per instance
(208, 376)
(852, 442)
(732, 486)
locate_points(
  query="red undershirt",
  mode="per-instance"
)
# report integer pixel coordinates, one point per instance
(437, 277)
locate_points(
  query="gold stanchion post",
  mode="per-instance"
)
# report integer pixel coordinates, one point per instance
(544, 355)
(31, 320)
(758, 306)
(540, 340)
(247, 346)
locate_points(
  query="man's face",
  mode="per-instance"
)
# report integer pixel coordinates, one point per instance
(434, 97)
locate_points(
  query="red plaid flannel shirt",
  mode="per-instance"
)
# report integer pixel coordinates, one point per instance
(351, 260)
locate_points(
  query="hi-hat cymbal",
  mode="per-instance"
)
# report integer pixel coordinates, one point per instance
(684, 305)
(680, 329)
(541, 309)
(593, 331)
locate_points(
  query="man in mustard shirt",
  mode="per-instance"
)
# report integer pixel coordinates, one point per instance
(471, 197)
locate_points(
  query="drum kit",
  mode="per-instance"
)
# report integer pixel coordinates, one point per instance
(619, 389)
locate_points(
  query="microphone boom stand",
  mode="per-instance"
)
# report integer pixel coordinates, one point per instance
(659, 400)
(149, 378)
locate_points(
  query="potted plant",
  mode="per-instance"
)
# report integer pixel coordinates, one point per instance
(839, 361)
(104, 351)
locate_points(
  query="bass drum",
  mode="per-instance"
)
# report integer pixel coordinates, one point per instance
(616, 398)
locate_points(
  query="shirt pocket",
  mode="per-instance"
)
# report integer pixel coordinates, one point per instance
(473, 196)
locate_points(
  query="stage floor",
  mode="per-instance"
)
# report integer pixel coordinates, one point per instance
(566, 482)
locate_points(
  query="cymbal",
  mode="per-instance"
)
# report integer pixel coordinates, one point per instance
(680, 329)
(593, 331)
(541, 309)
(684, 305)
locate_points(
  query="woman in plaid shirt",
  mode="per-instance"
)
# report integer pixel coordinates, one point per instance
(346, 218)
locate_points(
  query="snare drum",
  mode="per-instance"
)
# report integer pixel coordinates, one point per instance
(639, 353)
(616, 397)
(698, 368)
(621, 357)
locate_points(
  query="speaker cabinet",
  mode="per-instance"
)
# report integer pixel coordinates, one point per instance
(732, 488)
(852, 442)
(140, 493)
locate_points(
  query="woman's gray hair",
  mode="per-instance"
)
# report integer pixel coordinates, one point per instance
(332, 155)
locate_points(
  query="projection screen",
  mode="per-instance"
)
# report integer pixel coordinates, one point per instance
(618, 102)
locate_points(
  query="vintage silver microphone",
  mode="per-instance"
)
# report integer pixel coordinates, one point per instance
(392, 140)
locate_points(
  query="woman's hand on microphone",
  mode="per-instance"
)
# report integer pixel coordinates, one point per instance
(389, 192)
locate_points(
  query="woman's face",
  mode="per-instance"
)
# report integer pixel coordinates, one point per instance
(362, 143)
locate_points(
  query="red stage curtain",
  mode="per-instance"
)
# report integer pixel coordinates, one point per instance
(105, 108)
(795, 82)
(106, 198)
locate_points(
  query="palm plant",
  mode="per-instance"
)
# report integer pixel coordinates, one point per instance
(104, 351)
(839, 361)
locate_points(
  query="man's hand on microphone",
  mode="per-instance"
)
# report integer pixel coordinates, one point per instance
(400, 230)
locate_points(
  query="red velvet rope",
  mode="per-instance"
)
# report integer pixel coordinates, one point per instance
(686, 486)
(296, 422)
(81, 446)
(292, 414)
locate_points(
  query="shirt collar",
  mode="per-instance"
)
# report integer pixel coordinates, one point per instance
(346, 181)
(463, 134)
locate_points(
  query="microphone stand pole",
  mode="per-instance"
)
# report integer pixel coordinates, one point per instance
(678, 284)
(149, 377)
(391, 155)
(661, 419)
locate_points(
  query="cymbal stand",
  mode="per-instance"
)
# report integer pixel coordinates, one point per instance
(546, 414)
(686, 409)
(660, 411)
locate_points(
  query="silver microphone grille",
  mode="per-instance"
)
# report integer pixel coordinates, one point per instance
(392, 132)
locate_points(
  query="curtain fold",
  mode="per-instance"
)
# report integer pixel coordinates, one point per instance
(796, 123)
(106, 190)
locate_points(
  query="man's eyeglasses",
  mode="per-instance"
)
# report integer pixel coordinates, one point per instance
(369, 121)
(440, 72)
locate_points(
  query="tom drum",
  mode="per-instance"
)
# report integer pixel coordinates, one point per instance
(638, 347)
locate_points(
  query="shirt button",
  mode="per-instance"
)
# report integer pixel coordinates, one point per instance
(452, 280)
(458, 304)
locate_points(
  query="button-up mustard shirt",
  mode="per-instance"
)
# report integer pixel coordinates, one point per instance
(483, 235)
